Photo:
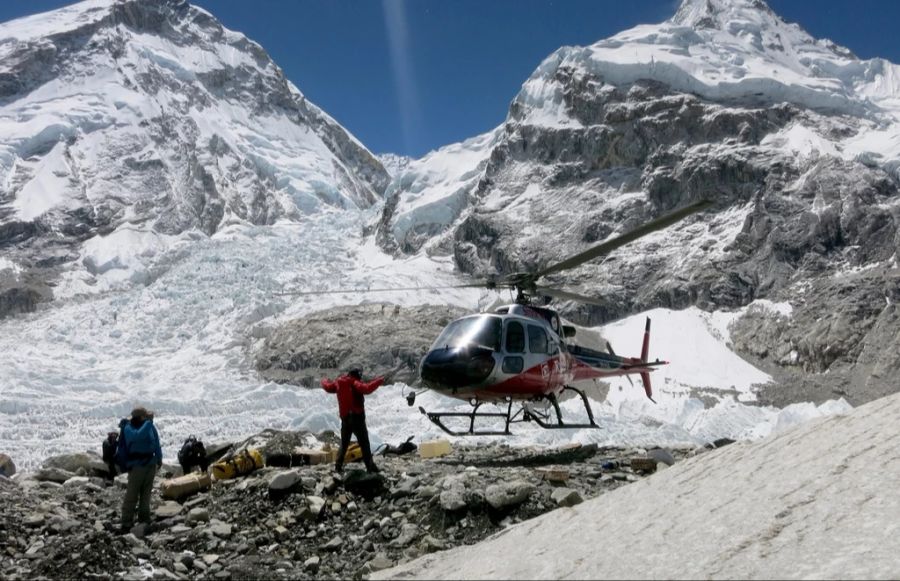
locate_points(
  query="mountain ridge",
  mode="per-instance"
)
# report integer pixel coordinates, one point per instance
(795, 140)
(152, 116)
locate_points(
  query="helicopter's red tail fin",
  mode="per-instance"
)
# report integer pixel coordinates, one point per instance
(648, 388)
(645, 348)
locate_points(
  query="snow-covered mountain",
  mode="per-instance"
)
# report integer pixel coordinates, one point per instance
(146, 121)
(795, 139)
(394, 164)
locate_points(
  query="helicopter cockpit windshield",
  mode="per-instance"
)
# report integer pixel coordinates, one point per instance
(480, 331)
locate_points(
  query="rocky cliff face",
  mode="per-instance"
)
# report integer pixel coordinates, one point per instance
(151, 116)
(329, 343)
(725, 101)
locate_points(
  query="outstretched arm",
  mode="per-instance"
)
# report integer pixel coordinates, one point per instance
(328, 385)
(367, 388)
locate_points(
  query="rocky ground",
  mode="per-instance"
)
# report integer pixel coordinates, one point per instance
(301, 522)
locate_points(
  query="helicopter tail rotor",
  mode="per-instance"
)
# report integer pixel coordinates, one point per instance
(645, 351)
(648, 389)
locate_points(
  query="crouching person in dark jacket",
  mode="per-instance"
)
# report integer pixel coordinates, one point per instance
(139, 454)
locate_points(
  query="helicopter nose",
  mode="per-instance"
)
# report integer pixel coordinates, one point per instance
(456, 367)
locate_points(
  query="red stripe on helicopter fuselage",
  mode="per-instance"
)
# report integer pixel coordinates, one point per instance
(547, 377)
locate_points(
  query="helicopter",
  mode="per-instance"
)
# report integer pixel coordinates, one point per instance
(520, 356)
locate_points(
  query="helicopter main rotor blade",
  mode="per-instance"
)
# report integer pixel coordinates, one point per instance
(619, 241)
(377, 290)
(562, 294)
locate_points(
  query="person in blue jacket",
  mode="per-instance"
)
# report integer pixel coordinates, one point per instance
(139, 454)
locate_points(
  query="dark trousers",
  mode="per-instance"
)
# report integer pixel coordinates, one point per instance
(355, 424)
(140, 485)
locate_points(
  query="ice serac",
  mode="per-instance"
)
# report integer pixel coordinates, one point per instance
(151, 116)
(795, 139)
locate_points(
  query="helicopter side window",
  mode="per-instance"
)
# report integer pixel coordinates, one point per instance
(515, 337)
(537, 340)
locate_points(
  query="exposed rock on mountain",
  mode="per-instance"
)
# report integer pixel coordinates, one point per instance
(795, 140)
(148, 119)
(331, 342)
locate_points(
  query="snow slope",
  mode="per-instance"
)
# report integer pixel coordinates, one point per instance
(815, 502)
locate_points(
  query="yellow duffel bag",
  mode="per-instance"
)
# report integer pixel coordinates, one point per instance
(243, 462)
(353, 453)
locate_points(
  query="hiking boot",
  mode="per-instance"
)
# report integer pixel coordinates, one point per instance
(339, 468)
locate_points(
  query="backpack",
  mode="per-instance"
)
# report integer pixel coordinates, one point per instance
(109, 450)
(354, 453)
(192, 453)
(141, 446)
(121, 456)
(404, 448)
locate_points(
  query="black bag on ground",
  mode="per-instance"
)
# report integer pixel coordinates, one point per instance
(193, 453)
(404, 448)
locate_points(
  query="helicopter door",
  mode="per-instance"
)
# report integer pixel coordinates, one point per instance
(514, 348)
(541, 362)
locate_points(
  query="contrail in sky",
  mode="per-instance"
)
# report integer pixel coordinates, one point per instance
(398, 38)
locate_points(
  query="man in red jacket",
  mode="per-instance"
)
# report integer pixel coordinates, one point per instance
(351, 392)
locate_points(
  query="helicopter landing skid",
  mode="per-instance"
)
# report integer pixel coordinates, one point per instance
(522, 415)
(541, 418)
(437, 417)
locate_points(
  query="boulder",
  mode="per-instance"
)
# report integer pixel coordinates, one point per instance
(508, 494)
(430, 544)
(364, 484)
(283, 482)
(332, 545)
(643, 464)
(408, 534)
(219, 529)
(312, 564)
(77, 482)
(197, 515)
(566, 497)
(168, 509)
(453, 499)
(662, 456)
(379, 563)
(86, 463)
(7, 466)
(316, 506)
(51, 474)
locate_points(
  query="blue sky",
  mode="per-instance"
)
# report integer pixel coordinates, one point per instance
(409, 76)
